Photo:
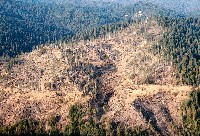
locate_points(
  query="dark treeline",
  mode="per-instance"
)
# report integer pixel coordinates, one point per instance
(25, 25)
(181, 45)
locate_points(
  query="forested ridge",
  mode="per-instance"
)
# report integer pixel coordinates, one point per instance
(181, 45)
(25, 25)
(98, 68)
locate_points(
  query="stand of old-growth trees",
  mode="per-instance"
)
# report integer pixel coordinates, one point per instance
(191, 114)
(181, 45)
(24, 26)
(100, 31)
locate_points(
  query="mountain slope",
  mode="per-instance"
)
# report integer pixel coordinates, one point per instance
(117, 75)
(27, 24)
(23, 26)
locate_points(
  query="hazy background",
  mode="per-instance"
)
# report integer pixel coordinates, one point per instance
(183, 6)
(27, 23)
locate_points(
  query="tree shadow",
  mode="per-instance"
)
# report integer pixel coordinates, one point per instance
(147, 114)
(155, 112)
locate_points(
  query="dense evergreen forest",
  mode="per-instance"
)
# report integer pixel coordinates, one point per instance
(181, 45)
(26, 24)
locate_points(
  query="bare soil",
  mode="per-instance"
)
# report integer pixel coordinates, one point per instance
(135, 86)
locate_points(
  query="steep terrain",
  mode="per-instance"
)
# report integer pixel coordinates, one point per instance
(118, 74)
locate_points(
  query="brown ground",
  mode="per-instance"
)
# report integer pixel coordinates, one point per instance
(137, 86)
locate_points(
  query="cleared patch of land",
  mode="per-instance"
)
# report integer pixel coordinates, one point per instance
(133, 85)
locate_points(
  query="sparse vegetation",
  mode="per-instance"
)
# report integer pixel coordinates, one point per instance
(70, 74)
(42, 51)
(120, 75)
(82, 123)
(11, 63)
(77, 126)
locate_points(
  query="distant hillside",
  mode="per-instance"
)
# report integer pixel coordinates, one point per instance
(183, 7)
(113, 68)
(23, 26)
(27, 24)
(120, 81)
